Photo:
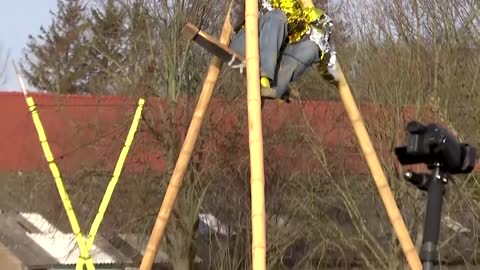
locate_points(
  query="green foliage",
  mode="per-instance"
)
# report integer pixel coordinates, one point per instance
(106, 52)
(56, 56)
(118, 47)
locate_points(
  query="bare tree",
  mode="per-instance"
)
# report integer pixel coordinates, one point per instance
(4, 56)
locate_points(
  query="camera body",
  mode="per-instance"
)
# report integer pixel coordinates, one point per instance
(436, 147)
(441, 151)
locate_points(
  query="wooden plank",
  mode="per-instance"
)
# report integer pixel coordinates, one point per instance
(212, 45)
(190, 31)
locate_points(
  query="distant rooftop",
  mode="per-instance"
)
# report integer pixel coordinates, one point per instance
(36, 242)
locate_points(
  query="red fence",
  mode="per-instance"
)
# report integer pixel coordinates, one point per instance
(87, 132)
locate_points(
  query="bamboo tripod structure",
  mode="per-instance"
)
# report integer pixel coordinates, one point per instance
(256, 151)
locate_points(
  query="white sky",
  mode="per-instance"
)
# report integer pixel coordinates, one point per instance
(18, 19)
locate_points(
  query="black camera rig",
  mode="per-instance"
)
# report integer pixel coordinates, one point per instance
(444, 155)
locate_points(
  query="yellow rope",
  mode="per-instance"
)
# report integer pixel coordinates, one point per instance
(114, 180)
(84, 259)
(115, 176)
(84, 254)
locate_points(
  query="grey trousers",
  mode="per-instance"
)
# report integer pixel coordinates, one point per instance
(280, 61)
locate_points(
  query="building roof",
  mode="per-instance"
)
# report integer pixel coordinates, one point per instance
(39, 225)
(36, 242)
(13, 235)
(63, 249)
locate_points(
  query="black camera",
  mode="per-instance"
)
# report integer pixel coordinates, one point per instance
(441, 151)
(436, 147)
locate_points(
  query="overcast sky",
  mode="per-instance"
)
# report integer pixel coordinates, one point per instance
(18, 19)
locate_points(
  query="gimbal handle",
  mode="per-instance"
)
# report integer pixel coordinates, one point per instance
(434, 184)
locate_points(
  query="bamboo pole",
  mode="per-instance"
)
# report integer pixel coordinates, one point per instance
(375, 168)
(378, 174)
(257, 179)
(185, 153)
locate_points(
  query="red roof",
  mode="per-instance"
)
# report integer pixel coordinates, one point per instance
(88, 132)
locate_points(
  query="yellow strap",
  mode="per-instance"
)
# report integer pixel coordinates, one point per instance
(84, 258)
(84, 254)
(116, 174)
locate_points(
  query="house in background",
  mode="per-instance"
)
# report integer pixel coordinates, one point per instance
(29, 242)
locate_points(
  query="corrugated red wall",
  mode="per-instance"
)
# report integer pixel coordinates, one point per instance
(87, 132)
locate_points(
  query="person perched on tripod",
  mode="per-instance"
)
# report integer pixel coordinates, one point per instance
(292, 39)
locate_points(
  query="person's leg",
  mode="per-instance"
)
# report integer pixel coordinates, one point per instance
(273, 34)
(238, 42)
(296, 58)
